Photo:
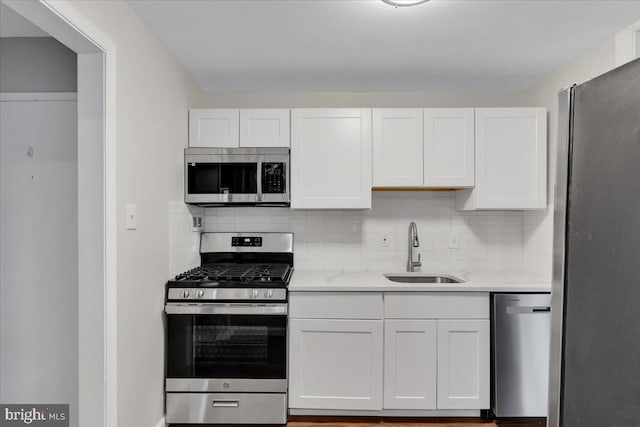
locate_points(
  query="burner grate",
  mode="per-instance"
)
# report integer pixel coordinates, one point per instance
(236, 272)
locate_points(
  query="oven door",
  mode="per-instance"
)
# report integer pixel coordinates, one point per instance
(226, 347)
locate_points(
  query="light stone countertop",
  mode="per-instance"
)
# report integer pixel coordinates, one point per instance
(374, 281)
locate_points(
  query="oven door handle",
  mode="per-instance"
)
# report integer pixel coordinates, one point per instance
(238, 308)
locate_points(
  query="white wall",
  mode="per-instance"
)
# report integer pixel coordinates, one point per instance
(39, 253)
(598, 60)
(356, 99)
(184, 241)
(153, 96)
(36, 64)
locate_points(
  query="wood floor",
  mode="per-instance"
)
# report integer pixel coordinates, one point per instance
(412, 422)
(402, 422)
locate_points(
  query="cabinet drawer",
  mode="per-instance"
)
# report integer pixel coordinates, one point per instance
(226, 408)
(434, 305)
(338, 305)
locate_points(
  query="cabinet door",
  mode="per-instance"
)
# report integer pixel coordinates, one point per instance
(335, 364)
(511, 158)
(264, 128)
(331, 158)
(410, 364)
(449, 147)
(213, 128)
(463, 364)
(397, 147)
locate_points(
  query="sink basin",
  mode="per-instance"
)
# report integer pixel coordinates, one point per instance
(422, 279)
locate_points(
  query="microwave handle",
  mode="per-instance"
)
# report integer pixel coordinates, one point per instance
(259, 180)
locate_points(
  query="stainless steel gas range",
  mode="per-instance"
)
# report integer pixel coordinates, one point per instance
(227, 332)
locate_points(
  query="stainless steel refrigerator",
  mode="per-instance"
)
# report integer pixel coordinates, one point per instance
(595, 343)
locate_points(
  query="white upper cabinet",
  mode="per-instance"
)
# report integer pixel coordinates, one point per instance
(264, 128)
(511, 160)
(214, 128)
(232, 128)
(424, 148)
(449, 147)
(331, 158)
(397, 147)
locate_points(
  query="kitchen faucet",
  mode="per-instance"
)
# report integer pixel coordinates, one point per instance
(414, 242)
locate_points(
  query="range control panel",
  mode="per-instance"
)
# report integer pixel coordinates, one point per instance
(246, 241)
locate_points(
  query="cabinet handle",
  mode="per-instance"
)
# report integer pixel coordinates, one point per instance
(225, 404)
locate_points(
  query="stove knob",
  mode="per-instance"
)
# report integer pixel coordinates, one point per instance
(256, 293)
(266, 294)
(201, 293)
(270, 293)
(186, 293)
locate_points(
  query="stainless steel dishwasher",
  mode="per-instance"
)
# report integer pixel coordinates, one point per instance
(520, 351)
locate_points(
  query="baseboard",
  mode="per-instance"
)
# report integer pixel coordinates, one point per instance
(162, 422)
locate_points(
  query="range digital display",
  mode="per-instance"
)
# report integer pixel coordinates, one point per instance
(246, 241)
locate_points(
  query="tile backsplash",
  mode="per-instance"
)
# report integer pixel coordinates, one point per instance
(184, 243)
(377, 239)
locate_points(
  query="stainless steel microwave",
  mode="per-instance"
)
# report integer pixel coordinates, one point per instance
(236, 176)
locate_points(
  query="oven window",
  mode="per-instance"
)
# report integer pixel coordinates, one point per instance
(219, 178)
(226, 346)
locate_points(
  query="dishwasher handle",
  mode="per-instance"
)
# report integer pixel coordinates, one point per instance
(513, 309)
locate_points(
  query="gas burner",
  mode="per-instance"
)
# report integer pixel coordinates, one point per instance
(238, 274)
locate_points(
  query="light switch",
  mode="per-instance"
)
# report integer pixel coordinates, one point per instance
(132, 218)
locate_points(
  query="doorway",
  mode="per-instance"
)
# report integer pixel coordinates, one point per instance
(95, 210)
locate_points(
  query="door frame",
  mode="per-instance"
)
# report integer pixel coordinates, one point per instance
(97, 203)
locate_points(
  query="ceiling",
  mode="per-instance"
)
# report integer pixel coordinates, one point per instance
(366, 45)
(12, 24)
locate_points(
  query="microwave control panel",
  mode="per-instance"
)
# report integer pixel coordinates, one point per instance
(273, 178)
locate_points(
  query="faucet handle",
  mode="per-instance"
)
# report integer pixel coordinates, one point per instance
(418, 263)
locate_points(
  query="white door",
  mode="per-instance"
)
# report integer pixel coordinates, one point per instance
(511, 158)
(331, 158)
(264, 128)
(410, 364)
(335, 364)
(449, 147)
(209, 127)
(397, 147)
(39, 221)
(463, 364)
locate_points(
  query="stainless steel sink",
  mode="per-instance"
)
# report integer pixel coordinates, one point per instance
(422, 279)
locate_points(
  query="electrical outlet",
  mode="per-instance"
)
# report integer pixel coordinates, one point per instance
(454, 240)
(132, 218)
(196, 223)
(385, 240)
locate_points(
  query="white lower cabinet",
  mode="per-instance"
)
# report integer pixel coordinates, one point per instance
(463, 364)
(410, 360)
(335, 364)
(407, 351)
